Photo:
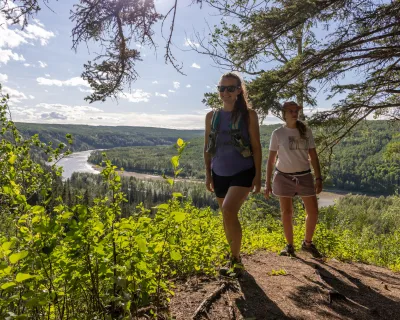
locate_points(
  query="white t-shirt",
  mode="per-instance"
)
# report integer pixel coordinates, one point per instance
(292, 149)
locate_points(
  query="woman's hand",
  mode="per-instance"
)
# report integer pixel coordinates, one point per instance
(268, 190)
(318, 186)
(256, 185)
(209, 183)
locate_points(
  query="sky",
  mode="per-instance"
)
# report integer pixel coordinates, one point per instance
(41, 73)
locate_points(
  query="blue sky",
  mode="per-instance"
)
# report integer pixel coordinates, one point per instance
(41, 73)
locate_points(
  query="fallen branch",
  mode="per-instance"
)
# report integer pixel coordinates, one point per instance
(207, 302)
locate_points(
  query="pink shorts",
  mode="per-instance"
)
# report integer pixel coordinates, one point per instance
(289, 185)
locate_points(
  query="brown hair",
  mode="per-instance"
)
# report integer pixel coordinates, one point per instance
(242, 104)
(301, 126)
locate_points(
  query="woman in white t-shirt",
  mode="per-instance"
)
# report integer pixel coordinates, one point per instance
(294, 145)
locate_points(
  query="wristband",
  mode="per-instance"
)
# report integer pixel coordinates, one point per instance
(319, 178)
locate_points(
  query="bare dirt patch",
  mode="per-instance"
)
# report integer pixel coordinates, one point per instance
(311, 289)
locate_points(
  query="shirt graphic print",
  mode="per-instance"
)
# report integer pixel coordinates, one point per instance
(298, 143)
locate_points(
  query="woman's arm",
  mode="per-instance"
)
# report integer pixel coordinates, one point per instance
(270, 167)
(207, 156)
(254, 133)
(317, 169)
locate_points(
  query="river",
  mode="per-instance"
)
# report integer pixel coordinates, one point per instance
(77, 162)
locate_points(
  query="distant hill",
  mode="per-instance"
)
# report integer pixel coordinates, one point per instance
(358, 163)
(105, 137)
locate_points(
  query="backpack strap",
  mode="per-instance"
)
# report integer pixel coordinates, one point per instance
(215, 120)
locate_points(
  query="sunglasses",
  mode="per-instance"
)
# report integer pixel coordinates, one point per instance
(230, 88)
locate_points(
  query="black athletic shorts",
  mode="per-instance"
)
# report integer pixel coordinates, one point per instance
(242, 179)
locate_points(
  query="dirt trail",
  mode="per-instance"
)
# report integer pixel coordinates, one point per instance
(311, 289)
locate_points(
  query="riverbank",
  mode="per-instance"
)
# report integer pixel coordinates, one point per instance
(325, 198)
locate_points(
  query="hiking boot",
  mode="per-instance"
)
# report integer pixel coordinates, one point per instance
(310, 248)
(288, 251)
(233, 269)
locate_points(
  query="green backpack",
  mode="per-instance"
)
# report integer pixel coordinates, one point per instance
(239, 142)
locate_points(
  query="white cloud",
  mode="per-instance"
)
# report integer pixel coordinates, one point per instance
(59, 113)
(53, 115)
(28, 65)
(188, 86)
(12, 36)
(7, 55)
(42, 64)
(85, 90)
(195, 65)
(73, 82)
(31, 96)
(15, 95)
(208, 87)
(163, 95)
(190, 43)
(67, 108)
(137, 95)
(176, 84)
(47, 75)
(171, 91)
(38, 22)
(155, 82)
(3, 77)
(37, 33)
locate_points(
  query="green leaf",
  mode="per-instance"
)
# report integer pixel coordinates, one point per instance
(12, 159)
(7, 190)
(163, 206)
(82, 210)
(67, 215)
(177, 172)
(8, 285)
(175, 161)
(20, 199)
(176, 255)
(15, 257)
(179, 142)
(99, 250)
(6, 245)
(142, 266)
(177, 195)
(169, 180)
(23, 277)
(37, 209)
(179, 216)
(127, 226)
(142, 243)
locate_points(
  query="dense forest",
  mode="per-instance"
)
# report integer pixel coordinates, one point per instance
(360, 162)
(104, 137)
(86, 186)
